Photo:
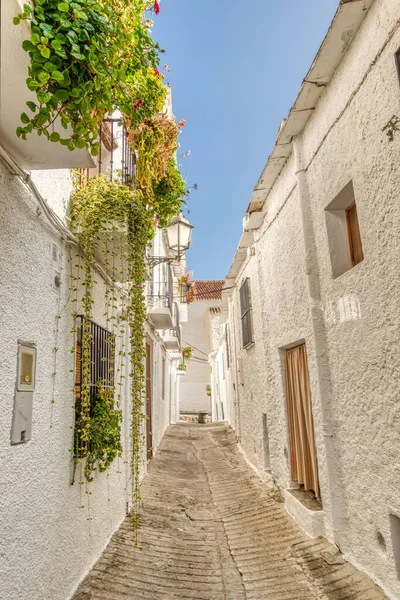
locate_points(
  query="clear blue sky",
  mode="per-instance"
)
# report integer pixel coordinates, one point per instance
(236, 67)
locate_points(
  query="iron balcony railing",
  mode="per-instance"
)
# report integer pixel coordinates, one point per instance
(116, 159)
(165, 293)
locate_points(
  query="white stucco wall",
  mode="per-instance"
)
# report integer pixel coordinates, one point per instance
(197, 332)
(357, 327)
(48, 541)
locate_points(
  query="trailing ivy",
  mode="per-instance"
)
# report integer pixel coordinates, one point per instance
(104, 433)
(88, 58)
(169, 193)
(103, 210)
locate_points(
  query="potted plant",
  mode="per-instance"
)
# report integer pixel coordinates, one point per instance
(208, 390)
(187, 352)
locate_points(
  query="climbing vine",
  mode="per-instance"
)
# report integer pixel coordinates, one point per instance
(87, 59)
(158, 175)
(101, 211)
(391, 127)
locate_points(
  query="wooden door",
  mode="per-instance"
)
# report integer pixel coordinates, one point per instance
(149, 435)
(303, 454)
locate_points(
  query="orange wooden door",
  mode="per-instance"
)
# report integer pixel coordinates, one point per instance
(149, 435)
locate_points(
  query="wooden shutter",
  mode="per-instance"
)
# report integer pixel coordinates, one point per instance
(303, 454)
(356, 251)
(245, 311)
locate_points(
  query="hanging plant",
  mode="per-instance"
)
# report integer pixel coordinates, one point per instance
(190, 292)
(182, 367)
(99, 211)
(187, 352)
(104, 433)
(208, 389)
(158, 175)
(89, 58)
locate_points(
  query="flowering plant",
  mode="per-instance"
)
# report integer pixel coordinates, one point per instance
(191, 292)
(187, 352)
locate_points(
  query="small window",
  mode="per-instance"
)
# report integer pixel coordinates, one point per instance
(356, 251)
(246, 313)
(344, 238)
(397, 61)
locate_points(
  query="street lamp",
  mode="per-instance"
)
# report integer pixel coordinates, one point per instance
(179, 237)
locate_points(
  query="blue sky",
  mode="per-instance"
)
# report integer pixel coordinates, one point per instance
(236, 68)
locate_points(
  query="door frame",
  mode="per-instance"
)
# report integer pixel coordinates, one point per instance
(149, 398)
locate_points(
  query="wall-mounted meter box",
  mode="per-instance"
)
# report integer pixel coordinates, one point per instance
(25, 386)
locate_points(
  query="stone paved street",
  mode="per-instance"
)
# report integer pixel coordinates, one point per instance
(212, 531)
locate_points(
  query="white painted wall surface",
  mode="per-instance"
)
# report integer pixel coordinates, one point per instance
(355, 405)
(48, 541)
(197, 332)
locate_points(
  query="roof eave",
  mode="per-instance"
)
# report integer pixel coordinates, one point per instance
(344, 27)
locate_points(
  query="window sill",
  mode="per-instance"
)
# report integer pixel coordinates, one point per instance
(249, 346)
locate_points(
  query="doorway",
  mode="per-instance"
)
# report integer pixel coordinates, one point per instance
(303, 453)
(149, 434)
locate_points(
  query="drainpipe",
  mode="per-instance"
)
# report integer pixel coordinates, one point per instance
(333, 464)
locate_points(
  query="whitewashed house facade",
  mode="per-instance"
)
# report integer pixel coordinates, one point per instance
(53, 531)
(201, 333)
(312, 299)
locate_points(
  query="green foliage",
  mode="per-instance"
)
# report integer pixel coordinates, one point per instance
(102, 210)
(391, 127)
(187, 352)
(158, 175)
(169, 194)
(88, 58)
(104, 433)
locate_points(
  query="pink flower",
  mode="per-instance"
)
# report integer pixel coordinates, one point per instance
(195, 186)
(138, 104)
(181, 123)
(166, 68)
(156, 7)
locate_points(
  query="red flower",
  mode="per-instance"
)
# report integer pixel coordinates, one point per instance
(138, 104)
(157, 73)
(156, 7)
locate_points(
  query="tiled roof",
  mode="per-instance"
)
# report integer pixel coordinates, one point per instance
(208, 290)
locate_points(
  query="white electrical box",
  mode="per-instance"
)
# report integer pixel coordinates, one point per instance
(25, 386)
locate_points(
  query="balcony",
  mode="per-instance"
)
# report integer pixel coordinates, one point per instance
(160, 301)
(36, 152)
(172, 337)
(116, 161)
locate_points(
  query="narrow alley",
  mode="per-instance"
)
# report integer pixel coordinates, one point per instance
(212, 530)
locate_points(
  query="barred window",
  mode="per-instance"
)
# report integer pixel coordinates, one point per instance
(246, 313)
(102, 367)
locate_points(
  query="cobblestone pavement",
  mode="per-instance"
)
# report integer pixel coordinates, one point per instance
(212, 531)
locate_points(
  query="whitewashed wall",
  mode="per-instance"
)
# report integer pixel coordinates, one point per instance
(197, 332)
(48, 541)
(355, 375)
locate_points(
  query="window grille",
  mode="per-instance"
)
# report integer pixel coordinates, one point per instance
(102, 367)
(116, 157)
(246, 313)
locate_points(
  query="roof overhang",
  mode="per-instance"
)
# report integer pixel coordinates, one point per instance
(347, 21)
